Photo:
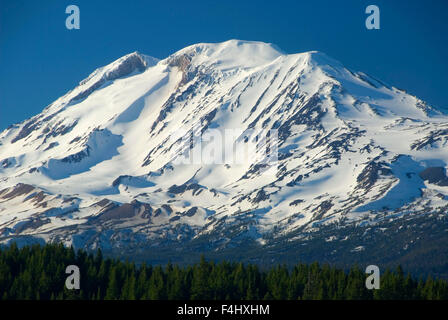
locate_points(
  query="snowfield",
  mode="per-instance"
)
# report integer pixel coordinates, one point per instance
(97, 167)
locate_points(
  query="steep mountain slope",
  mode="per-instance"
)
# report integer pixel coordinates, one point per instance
(100, 166)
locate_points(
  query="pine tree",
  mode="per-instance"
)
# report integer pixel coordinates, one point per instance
(141, 286)
(200, 287)
(112, 292)
(175, 280)
(355, 289)
(128, 292)
(156, 290)
(428, 291)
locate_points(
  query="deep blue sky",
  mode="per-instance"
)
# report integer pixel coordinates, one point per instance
(40, 59)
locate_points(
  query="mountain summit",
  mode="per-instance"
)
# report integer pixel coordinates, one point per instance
(96, 167)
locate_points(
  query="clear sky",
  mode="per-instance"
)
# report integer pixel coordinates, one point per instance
(41, 60)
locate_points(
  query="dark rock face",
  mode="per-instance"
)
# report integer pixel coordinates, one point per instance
(103, 203)
(119, 180)
(428, 141)
(303, 116)
(132, 63)
(125, 211)
(435, 175)
(51, 145)
(167, 208)
(77, 157)
(261, 196)
(175, 189)
(370, 174)
(58, 130)
(30, 126)
(296, 202)
(19, 189)
(191, 212)
(32, 224)
(182, 62)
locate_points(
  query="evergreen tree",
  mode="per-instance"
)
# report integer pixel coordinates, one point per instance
(38, 272)
(156, 289)
(112, 288)
(200, 288)
(128, 292)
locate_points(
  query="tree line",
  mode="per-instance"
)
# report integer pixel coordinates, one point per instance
(38, 273)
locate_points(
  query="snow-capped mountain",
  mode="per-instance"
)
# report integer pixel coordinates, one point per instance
(96, 167)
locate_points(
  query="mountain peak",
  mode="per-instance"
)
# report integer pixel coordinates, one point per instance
(231, 54)
(104, 157)
(233, 45)
(320, 57)
(122, 67)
